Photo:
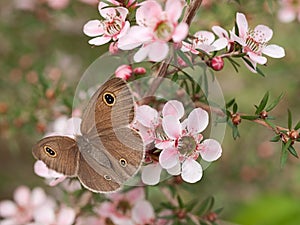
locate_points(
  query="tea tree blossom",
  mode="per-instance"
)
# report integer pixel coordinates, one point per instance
(181, 142)
(154, 29)
(289, 11)
(255, 42)
(113, 27)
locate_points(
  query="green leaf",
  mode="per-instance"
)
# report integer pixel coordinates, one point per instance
(175, 77)
(275, 138)
(293, 151)
(234, 64)
(284, 153)
(297, 126)
(289, 119)
(235, 132)
(249, 117)
(186, 59)
(205, 206)
(230, 103)
(260, 72)
(234, 108)
(262, 103)
(180, 202)
(274, 103)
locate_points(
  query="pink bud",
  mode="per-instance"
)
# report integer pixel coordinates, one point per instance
(217, 63)
(139, 70)
(124, 72)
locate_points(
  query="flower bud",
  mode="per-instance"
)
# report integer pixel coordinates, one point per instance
(263, 114)
(236, 119)
(139, 70)
(124, 72)
(293, 134)
(217, 63)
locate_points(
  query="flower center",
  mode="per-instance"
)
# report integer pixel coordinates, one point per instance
(160, 134)
(255, 41)
(112, 27)
(123, 206)
(164, 30)
(200, 40)
(187, 145)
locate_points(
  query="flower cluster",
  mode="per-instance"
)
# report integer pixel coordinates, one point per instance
(34, 208)
(180, 142)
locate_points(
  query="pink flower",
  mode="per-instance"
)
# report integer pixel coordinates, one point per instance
(58, 4)
(155, 28)
(124, 72)
(113, 27)
(124, 3)
(205, 41)
(25, 204)
(255, 42)
(289, 11)
(222, 33)
(181, 143)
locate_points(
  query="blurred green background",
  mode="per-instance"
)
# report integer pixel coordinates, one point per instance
(44, 53)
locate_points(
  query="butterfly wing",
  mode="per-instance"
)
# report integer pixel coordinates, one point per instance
(59, 153)
(105, 125)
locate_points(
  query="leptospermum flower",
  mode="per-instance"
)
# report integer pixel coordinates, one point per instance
(255, 42)
(113, 27)
(155, 29)
(181, 143)
(205, 41)
(25, 205)
(289, 10)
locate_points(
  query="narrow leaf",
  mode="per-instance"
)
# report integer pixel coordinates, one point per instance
(284, 152)
(235, 132)
(293, 151)
(262, 103)
(274, 103)
(297, 126)
(230, 103)
(275, 138)
(249, 117)
(235, 108)
(186, 59)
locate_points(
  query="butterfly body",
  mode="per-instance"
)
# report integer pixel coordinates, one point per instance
(108, 152)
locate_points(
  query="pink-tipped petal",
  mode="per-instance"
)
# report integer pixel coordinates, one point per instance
(173, 108)
(174, 9)
(262, 33)
(191, 171)
(197, 121)
(146, 115)
(151, 174)
(93, 28)
(123, 12)
(242, 24)
(143, 213)
(106, 12)
(180, 32)
(274, 51)
(168, 158)
(220, 44)
(99, 41)
(257, 58)
(158, 51)
(7, 208)
(171, 126)
(211, 150)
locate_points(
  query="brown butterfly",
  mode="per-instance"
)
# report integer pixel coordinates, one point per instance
(108, 152)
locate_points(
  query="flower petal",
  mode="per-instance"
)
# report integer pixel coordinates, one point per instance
(257, 58)
(171, 126)
(93, 28)
(262, 33)
(173, 9)
(38, 197)
(204, 37)
(146, 115)
(191, 171)
(220, 44)
(197, 121)
(175, 170)
(7, 208)
(242, 24)
(168, 158)
(99, 40)
(151, 174)
(44, 214)
(180, 32)
(106, 12)
(220, 32)
(66, 216)
(143, 213)
(211, 150)
(141, 54)
(149, 14)
(158, 51)
(274, 51)
(22, 196)
(173, 108)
